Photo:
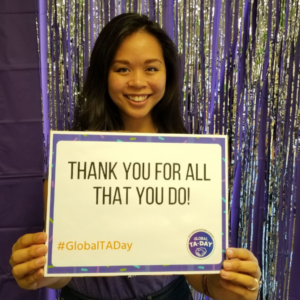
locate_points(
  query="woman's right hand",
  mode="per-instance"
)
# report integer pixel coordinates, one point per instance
(28, 260)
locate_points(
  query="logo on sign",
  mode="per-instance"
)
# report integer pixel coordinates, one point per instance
(201, 244)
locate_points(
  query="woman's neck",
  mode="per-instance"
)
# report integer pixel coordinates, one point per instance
(139, 125)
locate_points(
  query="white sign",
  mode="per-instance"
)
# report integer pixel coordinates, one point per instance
(136, 204)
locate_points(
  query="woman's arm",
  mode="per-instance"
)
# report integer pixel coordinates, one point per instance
(238, 280)
(28, 260)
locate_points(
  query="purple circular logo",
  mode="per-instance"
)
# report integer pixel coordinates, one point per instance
(201, 244)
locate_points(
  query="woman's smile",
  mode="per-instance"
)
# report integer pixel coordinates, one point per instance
(137, 98)
(137, 101)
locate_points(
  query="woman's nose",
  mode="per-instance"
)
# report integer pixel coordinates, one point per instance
(137, 80)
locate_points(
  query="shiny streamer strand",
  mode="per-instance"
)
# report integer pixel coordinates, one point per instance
(239, 76)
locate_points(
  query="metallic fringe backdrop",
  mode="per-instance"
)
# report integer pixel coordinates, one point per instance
(239, 75)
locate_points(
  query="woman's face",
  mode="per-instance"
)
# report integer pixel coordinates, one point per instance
(137, 78)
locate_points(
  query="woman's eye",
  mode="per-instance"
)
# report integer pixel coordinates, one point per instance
(122, 70)
(152, 69)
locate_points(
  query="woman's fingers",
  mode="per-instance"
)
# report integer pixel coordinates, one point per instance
(240, 273)
(240, 279)
(28, 240)
(240, 266)
(237, 289)
(241, 253)
(28, 247)
(26, 254)
(28, 259)
(30, 282)
(242, 260)
(22, 270)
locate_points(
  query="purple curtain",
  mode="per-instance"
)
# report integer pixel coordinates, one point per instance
(21, 137)
(295, 271)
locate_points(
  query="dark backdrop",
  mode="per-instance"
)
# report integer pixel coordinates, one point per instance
(21, 137)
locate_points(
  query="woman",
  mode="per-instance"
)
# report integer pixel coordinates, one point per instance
(132, 86)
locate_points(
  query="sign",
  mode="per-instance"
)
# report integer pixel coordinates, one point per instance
(123, 204)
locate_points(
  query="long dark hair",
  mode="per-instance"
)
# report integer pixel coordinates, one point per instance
(95, 109)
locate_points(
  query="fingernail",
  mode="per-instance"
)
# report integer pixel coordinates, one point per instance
(230, 252)
(227, 264)
(41, 250)
(40, 273)
(41, 237)
(40, 261)
(224, 274)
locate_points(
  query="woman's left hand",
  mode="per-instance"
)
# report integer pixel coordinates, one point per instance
(239, 278)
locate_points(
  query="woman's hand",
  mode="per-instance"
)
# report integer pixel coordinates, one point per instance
(239, 278)
(27, 261)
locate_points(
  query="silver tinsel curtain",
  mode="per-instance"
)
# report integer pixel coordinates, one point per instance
(239, 75)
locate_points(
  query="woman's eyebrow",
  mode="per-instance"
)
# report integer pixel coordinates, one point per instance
(126, 62)
(149, 61)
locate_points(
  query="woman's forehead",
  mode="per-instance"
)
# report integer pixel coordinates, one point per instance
(140, 46)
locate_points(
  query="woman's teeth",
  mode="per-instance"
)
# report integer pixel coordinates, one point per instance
(137, 98)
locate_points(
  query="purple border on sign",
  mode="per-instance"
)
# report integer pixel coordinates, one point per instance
(57, 137)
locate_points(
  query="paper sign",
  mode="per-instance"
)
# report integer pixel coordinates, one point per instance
(121, 204)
